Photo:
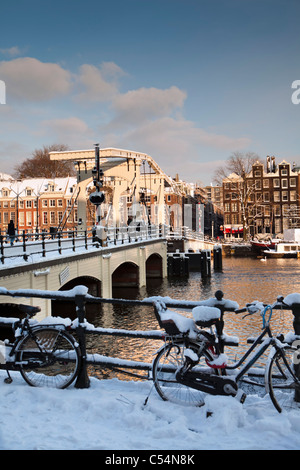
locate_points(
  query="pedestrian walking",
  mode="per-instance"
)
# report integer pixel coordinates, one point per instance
(11, 232)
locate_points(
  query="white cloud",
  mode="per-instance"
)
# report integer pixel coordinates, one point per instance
(178, 146)
(71, 131)
(137, 106)
(11, 51)
(99, 84)
(31, 80)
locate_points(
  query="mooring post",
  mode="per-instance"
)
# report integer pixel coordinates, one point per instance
(83, 380)
(217, 254)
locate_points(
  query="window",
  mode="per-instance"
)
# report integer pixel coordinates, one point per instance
(293, 182)
(265, 183)
(227, 218)
(52, 217)
(28, 218)
(284, 172)
(59, 203)
(234, 207)
(277, 210)
(45, 218)
(284, 183)
(276, 196)
(28, 204)
(227, 207)
(51, 187)
(21, 218)
(28, 192)
(52, 203)
(5, 192)
(293, 196)
(257, 173)
(21, 204)
(267, 211)
(5, 204)
(235, 218)
(266, 197)
(285, 195)
(44, 203)
(276, 183)
(258, 184)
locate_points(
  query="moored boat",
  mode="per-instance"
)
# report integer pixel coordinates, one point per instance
(283, 250)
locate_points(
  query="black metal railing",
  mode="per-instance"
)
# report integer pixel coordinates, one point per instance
(28, 244)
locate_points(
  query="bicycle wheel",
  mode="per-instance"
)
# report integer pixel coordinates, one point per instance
(283, 387)
(165, 365)
(48, 358)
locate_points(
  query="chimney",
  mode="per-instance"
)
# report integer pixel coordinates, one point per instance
(268, 164)
(273, 166)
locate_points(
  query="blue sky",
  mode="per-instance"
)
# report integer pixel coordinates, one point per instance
(186, 81)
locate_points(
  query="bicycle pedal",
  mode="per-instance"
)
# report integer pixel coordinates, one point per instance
(241, 396)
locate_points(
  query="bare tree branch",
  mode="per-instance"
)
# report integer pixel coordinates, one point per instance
(40, 165)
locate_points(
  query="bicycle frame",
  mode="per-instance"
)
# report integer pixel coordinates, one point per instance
(271, 341)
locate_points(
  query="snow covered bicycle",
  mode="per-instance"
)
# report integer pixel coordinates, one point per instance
(190, 364)
(45, 354)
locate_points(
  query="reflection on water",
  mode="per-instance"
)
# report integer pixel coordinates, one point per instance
(241, 279)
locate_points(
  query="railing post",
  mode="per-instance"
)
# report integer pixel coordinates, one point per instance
(85, 240)
(82, 380)
(2, 249)
(43, 245)
(73, 240)
(25, 257)
(59, 242)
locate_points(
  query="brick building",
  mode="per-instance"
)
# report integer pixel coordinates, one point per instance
(38, 204)
(272, 202)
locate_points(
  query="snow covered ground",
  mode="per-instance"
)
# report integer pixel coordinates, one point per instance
(110, 415)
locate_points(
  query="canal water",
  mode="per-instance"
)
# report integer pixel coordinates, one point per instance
(241, 280)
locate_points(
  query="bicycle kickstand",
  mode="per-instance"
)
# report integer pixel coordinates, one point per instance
(8, 379)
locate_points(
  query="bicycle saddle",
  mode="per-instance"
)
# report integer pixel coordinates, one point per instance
(29, 309)
(206, 316)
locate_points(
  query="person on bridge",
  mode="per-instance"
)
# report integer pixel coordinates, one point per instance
(11, 232)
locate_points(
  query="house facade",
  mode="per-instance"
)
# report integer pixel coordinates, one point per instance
(270, 200)
(38, 204)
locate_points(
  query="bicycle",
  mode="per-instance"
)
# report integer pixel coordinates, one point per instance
(190, 363)
(45, 354)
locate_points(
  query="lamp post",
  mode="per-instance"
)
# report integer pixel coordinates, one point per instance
(97, 197)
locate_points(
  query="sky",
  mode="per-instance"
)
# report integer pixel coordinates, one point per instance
(188, 82)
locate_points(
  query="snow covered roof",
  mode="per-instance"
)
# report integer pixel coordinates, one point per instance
(39, 185)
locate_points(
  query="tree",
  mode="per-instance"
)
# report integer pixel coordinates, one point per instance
(40, 165)
(236, 170)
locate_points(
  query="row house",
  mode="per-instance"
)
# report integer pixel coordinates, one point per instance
(272, 201)
(38, 204)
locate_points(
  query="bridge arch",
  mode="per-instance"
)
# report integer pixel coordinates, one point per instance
(154, 266)
(67, 309)
(126, 275)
